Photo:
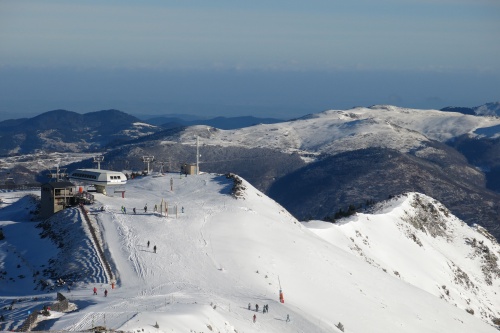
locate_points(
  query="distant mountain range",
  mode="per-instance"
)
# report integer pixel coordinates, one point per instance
(316, 166)
(218, 122)
(64, 131)
(67, 131)
(488, 109)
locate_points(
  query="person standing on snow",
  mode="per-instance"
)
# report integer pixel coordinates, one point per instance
(156, 208)
(146, 208)
(105, 292)
(95, 291)
(148, 243)
(256, 307)
(254, 318)
(134, 210)
(124, 210)
(249, 306)
(154, 249)
(287, 318)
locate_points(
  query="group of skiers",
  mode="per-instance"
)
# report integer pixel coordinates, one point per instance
(155, 209)
(154, 247)
(105, 291)
(265, 309)
(124, 209)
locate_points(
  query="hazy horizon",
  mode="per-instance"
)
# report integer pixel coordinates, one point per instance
(282, 95)
(279, 59)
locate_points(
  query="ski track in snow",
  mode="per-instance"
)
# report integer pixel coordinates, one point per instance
(130, 244)
(93, 319)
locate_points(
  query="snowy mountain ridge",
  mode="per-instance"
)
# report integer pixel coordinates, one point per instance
(216, 254)
(489, 109)
(335, 131)
(461, 262)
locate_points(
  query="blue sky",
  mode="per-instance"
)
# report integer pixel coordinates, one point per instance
(267, 58)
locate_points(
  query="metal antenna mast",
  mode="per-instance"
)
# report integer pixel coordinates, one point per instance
(162, 171)
(147, 160)
(197, 155)
(58, 174)
(98, 159)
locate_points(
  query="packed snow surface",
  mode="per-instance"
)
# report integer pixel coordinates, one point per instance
(218, 253)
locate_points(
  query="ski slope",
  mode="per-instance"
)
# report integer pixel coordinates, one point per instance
(221, 254)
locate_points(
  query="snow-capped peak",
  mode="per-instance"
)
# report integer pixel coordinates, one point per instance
(416, 239)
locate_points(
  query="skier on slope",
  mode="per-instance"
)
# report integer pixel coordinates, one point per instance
(146, 208)
(154, 248)
(134, 210)
(95, 291)
(254, 318)
(105, 292)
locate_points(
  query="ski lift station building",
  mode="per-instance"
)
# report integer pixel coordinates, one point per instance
(55, 196)
(188, 169)
(99, 178)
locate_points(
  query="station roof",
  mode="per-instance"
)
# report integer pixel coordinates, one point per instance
(58, 184)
